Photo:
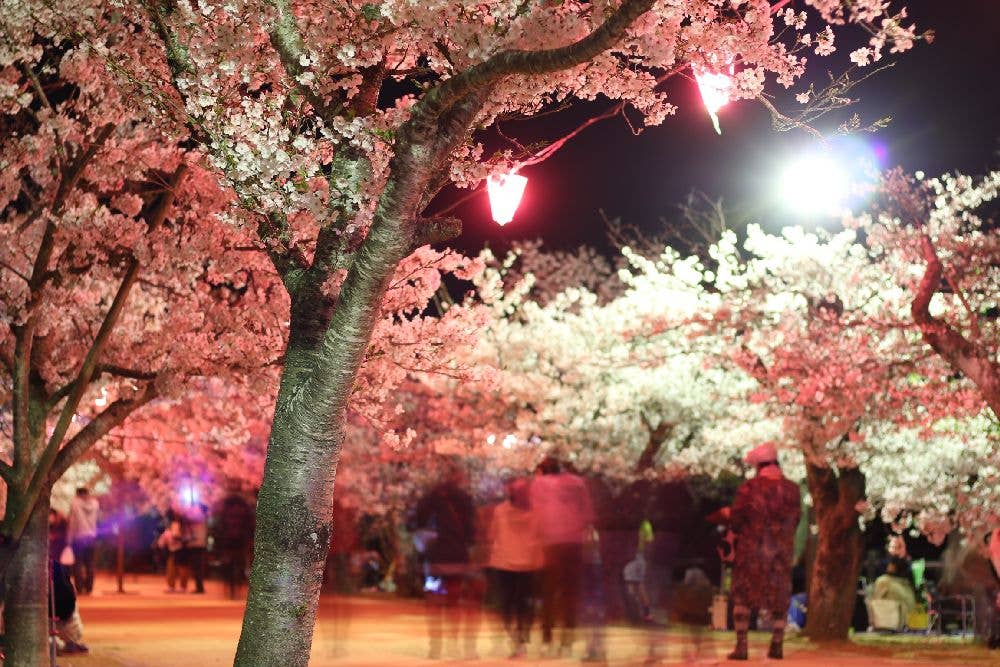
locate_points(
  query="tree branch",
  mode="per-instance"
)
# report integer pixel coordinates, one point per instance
(97, 428)
(286, 38)
(657, 436)
(437, 230)
(70, 176)
(505, 63)
(949, 343)
(287, 259)
(64, 391)
(154, 219)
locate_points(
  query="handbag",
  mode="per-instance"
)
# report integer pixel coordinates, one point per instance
(66, 556)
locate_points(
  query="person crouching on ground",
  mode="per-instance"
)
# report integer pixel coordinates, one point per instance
(763, 516)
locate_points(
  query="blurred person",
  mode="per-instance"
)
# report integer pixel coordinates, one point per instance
(233, 537)
(634, 576)
(197, 543)
(995, 551)
(173, 540)
(967, 571)
(566, 517)
(763, 516)
(448, 519)
(344, 542)
(59, 538)
(516, 557)
(896, 583)
(82, 535)
(67, 624)
(594, 611)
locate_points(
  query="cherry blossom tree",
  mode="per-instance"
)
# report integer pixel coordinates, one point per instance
(118, 284)
(797, 338)
(939, 224)
(815, 323)
(335, 183)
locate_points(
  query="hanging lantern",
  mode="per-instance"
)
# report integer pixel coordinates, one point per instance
(505, 193)
(714, 88)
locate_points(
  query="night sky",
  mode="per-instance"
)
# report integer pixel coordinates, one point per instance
(944, 99)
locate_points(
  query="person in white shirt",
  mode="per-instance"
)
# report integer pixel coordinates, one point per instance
(82, 534)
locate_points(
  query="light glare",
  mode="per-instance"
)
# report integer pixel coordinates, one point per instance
(815, 185)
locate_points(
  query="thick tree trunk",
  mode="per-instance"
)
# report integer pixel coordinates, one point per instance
(26, 608)
(295, 506)
(294, 513)
(834, 578)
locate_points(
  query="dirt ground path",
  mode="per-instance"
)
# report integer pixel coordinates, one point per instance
(147, 627)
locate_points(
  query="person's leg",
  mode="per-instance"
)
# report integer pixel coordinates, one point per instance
(83, 573)
(507, 597)
(741, 623)
(777, 637)
(78, 569)
(523, 607)
(171, 570)
(550, 589)
(198, 568)
(571, 585)
(91, 548)
(183, 559)
(435, 616)
(473, 590)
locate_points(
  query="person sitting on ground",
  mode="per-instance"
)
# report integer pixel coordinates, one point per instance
(896, 583)
(65, 612)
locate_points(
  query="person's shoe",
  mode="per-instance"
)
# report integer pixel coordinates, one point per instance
(739, 653)
(73, 648)
(775, 652)
(520, 651)
(549, 651)
(198, 591)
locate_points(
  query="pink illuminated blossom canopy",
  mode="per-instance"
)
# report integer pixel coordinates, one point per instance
(505, 192)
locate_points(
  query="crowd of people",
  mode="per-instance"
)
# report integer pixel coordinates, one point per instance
(541, 551)
(538, 555)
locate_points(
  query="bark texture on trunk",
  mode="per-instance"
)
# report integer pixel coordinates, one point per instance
(26, 608)
(295, 505)
(834, 577)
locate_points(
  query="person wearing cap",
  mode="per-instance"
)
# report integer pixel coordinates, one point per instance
(763, 517)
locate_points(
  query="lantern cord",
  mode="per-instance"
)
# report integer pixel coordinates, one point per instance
(549, 150)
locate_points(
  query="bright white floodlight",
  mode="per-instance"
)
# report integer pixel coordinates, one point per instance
(815, 184)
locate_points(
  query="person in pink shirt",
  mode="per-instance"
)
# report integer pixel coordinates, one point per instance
(565, 517)
(516, 557)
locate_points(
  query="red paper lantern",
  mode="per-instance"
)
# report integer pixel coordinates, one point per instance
(714, 88)
(505, 192)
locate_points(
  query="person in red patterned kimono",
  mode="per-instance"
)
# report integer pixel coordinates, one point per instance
(763, 516)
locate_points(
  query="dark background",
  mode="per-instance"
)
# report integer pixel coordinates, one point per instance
(943, 98)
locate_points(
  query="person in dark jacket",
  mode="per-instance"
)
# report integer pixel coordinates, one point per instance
(763, 517)
(447, 516)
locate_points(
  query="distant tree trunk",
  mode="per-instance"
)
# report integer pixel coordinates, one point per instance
(835, 569)
(26, 608)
